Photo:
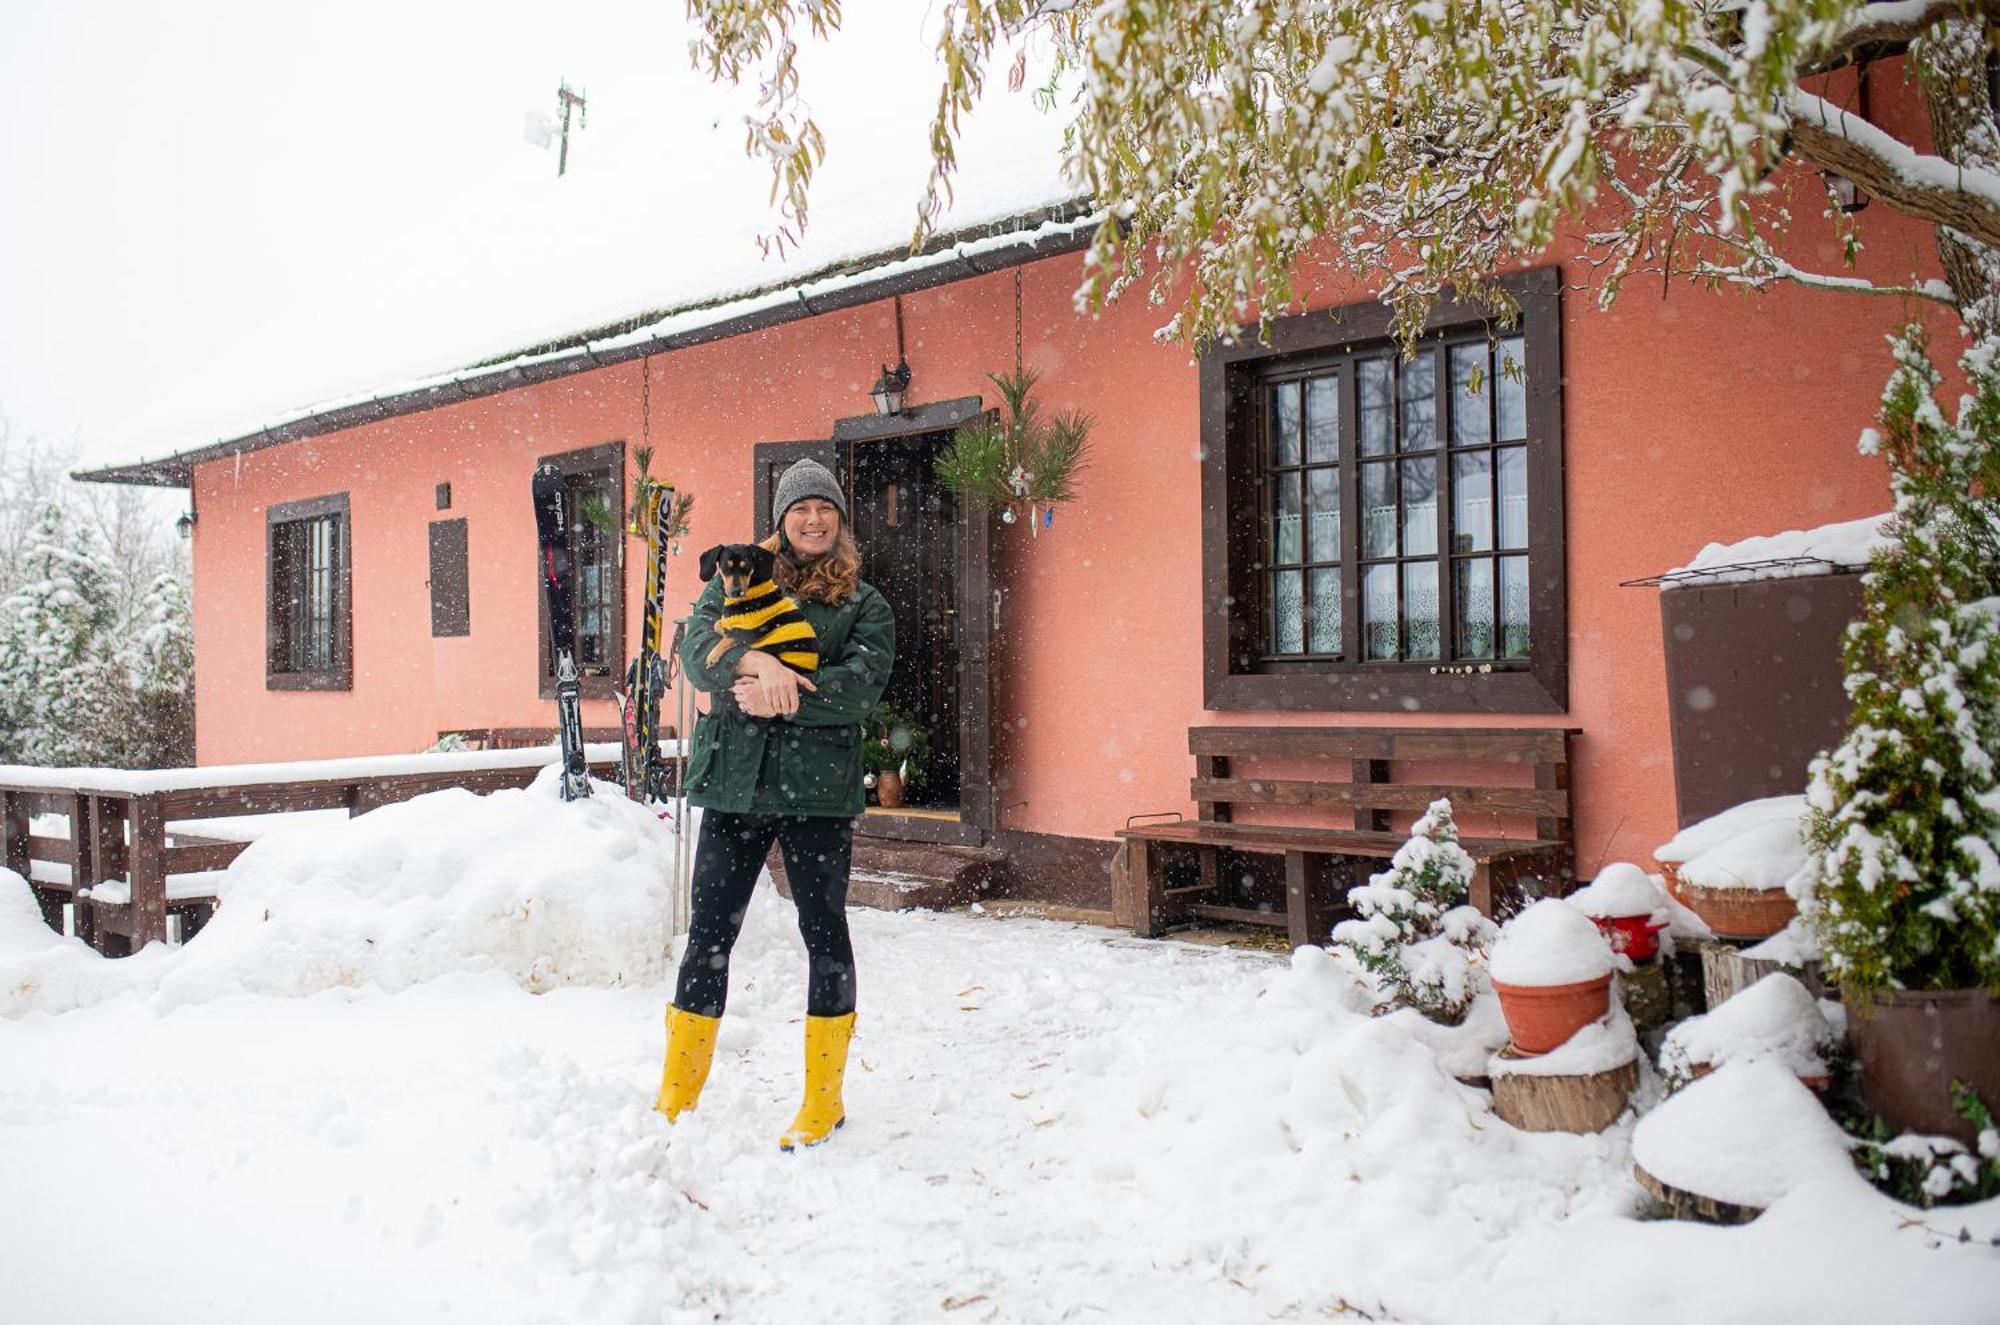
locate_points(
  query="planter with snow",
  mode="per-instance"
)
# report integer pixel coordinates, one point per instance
(1552, 970)
(1628, 906)
(1738, 870)
(1776, 1018)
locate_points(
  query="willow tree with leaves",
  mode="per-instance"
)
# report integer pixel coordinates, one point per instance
(1425, 146)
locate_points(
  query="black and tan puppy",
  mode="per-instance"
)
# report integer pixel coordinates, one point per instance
(754, 612)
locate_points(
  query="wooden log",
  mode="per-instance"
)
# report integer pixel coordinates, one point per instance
(1693, 1206)
(1578, 1104)
(1726, 971)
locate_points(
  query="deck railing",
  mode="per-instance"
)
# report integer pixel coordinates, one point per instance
(129, 860)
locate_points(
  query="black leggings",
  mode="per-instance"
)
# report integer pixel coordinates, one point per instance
(818, 849)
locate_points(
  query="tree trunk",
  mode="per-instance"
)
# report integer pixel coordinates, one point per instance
(1950, 60)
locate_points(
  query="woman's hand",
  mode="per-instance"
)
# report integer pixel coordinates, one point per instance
(766, 688)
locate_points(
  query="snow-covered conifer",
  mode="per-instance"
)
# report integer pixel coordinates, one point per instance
(1906, 810)
(1414, 935)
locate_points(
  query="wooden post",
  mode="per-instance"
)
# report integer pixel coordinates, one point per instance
(148, 859)
(82, 864)
(1148, 887)
(1555, 777)
(1368, 771)
(1308, 912)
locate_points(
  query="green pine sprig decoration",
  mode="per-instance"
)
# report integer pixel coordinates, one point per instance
(598, 512)
(1017, 457)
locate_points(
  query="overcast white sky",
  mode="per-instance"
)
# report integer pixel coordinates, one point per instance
(178, 175)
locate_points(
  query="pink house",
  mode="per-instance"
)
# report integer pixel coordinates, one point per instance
(1306, 532)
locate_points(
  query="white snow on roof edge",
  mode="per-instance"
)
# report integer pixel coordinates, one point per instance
(675, 322)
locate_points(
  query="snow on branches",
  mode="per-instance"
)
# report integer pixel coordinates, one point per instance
(1413, 934)
(1906, 810)
(1428, 145)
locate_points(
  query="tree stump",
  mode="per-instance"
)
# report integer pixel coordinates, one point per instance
(1578, 1104)
(1693, 1206)
(1726, 971)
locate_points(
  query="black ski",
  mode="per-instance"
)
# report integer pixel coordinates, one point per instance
(552, 523)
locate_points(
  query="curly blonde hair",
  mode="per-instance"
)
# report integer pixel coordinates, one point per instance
(830, 579)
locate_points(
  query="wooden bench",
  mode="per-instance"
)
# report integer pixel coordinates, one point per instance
(1174, 872)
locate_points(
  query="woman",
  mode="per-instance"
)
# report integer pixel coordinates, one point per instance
(782, 761)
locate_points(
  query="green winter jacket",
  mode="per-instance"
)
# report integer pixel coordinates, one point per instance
(809, 763)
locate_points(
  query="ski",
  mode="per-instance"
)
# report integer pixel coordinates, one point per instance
(552, 524)
(646, 681)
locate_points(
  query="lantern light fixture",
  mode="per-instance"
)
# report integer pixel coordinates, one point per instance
(891, 388)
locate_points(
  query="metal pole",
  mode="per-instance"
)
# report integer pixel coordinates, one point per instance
(679, 902)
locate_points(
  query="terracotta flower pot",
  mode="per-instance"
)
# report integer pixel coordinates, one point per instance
(889, 788)
(1543, 1017)
(1913, 1042)
(1734, 913)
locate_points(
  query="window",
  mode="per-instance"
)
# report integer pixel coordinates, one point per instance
(1402, 549)
(309, 615)
(593, 477)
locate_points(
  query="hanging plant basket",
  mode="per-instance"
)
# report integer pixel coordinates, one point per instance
(1020, 464)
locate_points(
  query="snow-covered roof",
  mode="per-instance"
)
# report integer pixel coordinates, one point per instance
(649, 243)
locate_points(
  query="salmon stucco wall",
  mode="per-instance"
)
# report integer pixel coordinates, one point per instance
(1689, 417)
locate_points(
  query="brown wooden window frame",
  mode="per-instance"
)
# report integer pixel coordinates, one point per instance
(1239, 670)
(607, 463)
(279, 521)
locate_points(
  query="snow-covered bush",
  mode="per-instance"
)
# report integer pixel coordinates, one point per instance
(1933, 1170)
(1414, 935)
(1906, 810)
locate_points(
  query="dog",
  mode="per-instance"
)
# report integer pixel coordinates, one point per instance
(755, 613)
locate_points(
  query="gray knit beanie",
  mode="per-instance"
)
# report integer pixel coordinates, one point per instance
(806, 478)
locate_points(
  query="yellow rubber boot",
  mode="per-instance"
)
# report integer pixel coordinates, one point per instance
(690, 1050)
(826, 1068)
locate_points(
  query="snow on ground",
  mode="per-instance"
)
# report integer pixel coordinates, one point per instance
(1046, 1122)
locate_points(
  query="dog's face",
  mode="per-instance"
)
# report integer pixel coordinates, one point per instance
(739, 564)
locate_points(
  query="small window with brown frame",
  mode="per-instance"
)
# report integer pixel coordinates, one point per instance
(309, 605)
(1403, 546)
(593, 478)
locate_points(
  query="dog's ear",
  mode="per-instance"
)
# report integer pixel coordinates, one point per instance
(708, 560)
(764, 560)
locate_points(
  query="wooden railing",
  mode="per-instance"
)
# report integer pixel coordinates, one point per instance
(128, 863)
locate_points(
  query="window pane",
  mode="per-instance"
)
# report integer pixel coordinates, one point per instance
(1420, 609)
(1473, 624)
(1419, 393)
(1322, 420)
(1325, 611)
(1323, 514)
(1471, 396)
(1378, 611)
(1378, 510)
(1288, 626)
(1285, 519)
(1285, 423)
(1513, 607)
(1513, 465)
(1420, 508)
(1510, 391)
(1372, 385)
(1472, 502)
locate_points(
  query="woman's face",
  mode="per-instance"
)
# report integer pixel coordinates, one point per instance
(811, 526)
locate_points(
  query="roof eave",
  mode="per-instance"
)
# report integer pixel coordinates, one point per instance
(587, 352)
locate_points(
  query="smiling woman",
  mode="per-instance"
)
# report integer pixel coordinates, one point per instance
(778, 758)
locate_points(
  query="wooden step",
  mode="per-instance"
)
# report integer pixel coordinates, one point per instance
(903, 876)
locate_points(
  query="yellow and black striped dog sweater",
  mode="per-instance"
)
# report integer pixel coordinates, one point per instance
(754, 611)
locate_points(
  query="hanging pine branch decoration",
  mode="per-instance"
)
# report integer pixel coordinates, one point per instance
(643, 483)
(1019, 462)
